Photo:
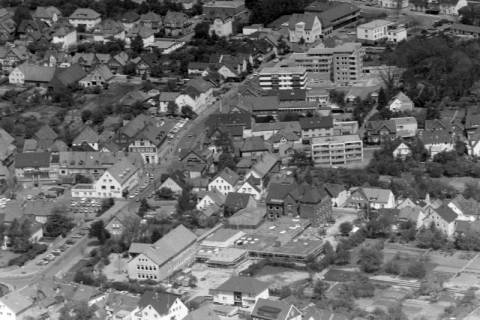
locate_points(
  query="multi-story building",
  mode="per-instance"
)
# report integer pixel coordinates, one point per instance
(240, 291)
(343, 63)
(306, 27)
(394, 4)
(337, 150)
(372, 31)
(274, 78)
(314, 127)
(85, 18)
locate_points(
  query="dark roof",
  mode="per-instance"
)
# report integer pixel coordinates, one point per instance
(160, 301)
(237, 201)
(334, 189)
(316, 123)
(446, 213)
(254, 144)
(248, 285)
(68, 76)
(46, 132)
(292, 95)
(32, 159)
(377, 125)
(437, 124)
(229, 119)
(274, 310)
(436, 137)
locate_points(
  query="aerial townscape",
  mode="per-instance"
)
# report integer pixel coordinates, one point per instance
(239, 160)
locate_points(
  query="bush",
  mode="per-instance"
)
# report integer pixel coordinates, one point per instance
(370, 259)
(345, 228)
(34, 251)
(416, 270)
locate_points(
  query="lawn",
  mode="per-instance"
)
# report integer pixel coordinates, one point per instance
(338, 275)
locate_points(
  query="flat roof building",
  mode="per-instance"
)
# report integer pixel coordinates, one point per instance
(337, 150)
(277, 78)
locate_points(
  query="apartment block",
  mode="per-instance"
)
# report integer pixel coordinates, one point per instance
(276, 78)
(375, 30)
(340, 64)
(337, 150)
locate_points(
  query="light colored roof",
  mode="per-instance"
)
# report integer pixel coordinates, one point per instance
(170, 245)
(307, 18)
(229, 176)
(376, 194)
(160, 301)
(17, 302)
(217, 197)
(85, 13)
(168, 96)
(336, 139)
(203, 313)
(122, 171)
(265, 163)
(402, 97)
(282, 70)
(375, 24)
(276, 126)
(404, 120)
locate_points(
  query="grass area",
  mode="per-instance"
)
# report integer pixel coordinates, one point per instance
(6, 256)
(338, 275)
(70, 275)
(458, 183)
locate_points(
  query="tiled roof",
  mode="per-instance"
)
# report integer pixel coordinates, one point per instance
(32, 159)
(436, 137)
(122, 171)
(246, 285)
(35, 73)
(316, 123)
(307, 18)
(159, 301)
(87, 135)
(254, 144)
(267, 309)
(229, 176)
(446, 213)
(84, 13)
(237, 200)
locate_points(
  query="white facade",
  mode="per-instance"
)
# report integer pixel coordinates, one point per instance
(16, 76)
(243, 299)
(67, 40)
(394, 4)
(147, 150)
(196, 103)
(172, 185)
(105, 187)
(88, 23)
(448, 228)
(221, 186)
(396, 34)
(373, 31)
(222, 28)
(302, 32)
(177, 311)
(205, 202)
(402, 151)
(435, 148)
(6, 313)
(247, 188)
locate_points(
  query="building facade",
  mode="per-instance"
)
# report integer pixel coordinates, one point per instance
(273, 78)
(337, 150)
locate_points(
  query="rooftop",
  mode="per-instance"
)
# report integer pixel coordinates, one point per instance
(375, 24)
(336, 139)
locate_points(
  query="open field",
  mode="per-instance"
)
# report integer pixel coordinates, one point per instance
(279, 276)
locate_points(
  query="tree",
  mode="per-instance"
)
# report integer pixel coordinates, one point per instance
(144, 207)
(97, 230)
(137, 44)
(86, 114)
(382, 99)
(172, 108)
(188, 112)
(416, 269)
(431, 238)
(58, 223)
(21, 13)
(342, 255)
(370, 259)
(165, 193)
(301, 160)
(345, 228)
(202, 30)
(74, 310)
(319, 289)
(226, 160)
(362, 287)
(337, 97)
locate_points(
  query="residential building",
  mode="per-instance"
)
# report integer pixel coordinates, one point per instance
(12, 57)
(49, 15)
(176, 23)
(174, 182)
(343, 63)
(160, 306)
(444, 7)
(437, 141)
(315, 127)
(405, 127)
(65, 36)
(99, 76)
(152, 20)
(108, 30)
(394, 4)
(27, 73)
(466, 209)
(14, 305)
(400, 103)
(87, 137)
(240, 291)
(229, 8)
(251, 186)
(305, 27)
(443, 218)
(158, 261)
(461, 29)
(65, 78)
(130, 19)
(319, 95)
(264, 164)
(205, 312)
(33, 167)
(374, 198)
(213, 198)
(396, 33)
(225, 181)
(402, 151)
(337, 150)
(85, 18)
(145, 32)
(266, 309)
(288, 78)
(337, 193)
(290, 199)
(373, 31)
(222, 27)
(165, 99)
(198, 93)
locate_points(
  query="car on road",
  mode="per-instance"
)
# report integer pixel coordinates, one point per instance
(77, 236)
(70, 241)
(42, 262)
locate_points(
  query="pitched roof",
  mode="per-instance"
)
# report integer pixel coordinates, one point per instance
(316, 123)
(333, 189)
(17, 302)
(446, 213)
(160, 301)
(467, 206)
(169, 245)
(202, 313)
(436, 124)
(377, 125)
(246, 285)
(177, 19)
(168, 96)
(46, 133)
(36, 73)
(151, 17)
(130, 17)
(84, 13)
(237, 200)
(254, 144)
(6, 137)
(273, 310)
(199, 84)
(436, 137)
(69, 76)
(229, 176)
(402, 97)
(217, 198)
(307, 18)
(87, 135)
(32, 159)
(46, 12)
(265, 163)
(376, 194)
(410, 213)
(122, 171)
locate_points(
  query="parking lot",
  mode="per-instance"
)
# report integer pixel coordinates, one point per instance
(85, 209)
